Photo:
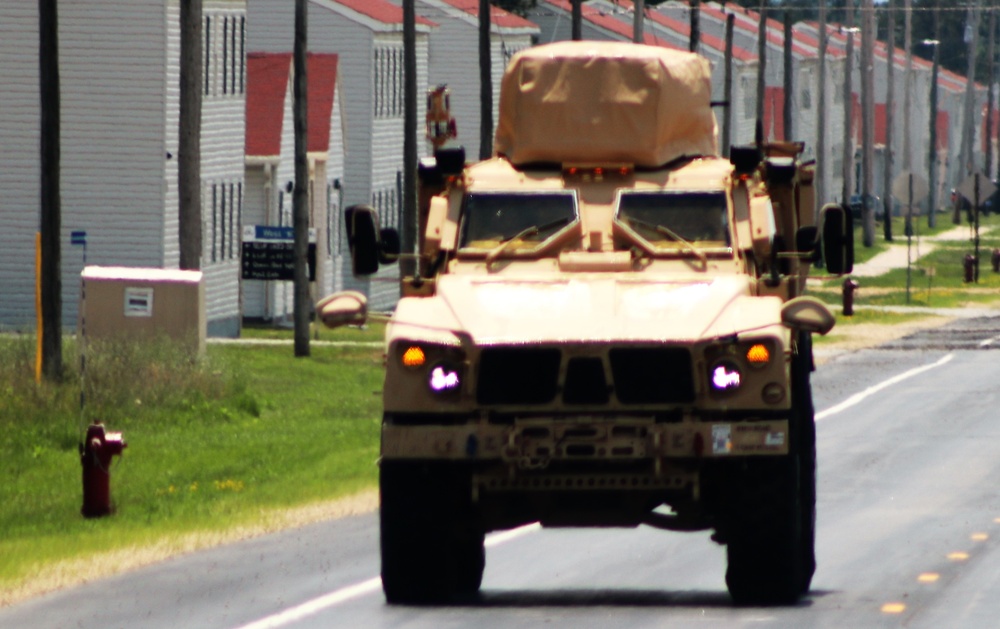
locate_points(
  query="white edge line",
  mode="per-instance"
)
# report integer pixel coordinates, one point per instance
(363, 588)
(858, 397)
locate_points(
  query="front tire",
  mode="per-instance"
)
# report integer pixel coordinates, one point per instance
(431, 540)
(771, 547)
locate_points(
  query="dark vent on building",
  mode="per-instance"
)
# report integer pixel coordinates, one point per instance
(518, 375)
(585, 382)
(652, 375)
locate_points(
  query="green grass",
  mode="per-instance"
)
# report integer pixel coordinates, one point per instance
(936, 279)
(213, 444)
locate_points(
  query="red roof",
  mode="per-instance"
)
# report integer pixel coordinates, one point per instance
(609, 23)
(684, 29)
(498, 16)
(322, 78)
(267, 83)
(381, 10)
(775, 29)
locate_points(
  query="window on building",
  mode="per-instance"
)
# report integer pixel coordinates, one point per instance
(207, 53)
(215, 221)
(749, 89)
(388, 82)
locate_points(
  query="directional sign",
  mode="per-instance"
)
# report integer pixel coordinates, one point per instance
(268, 253)
(78, 237)
(968, 188)
(901, 188)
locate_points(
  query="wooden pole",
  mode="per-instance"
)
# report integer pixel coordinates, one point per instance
(577, 20)
(638, 13)
(727, 116)
(992, 66)
(890, 104)
(408, 238)
(761, 71)
(847, 168)
(822, 170)
(485, 83)
(932, 132)
(788, 78)
(300, 199)
(908, 86)
(189, 136)
(867, 121)
(695, 37)
(51, 203)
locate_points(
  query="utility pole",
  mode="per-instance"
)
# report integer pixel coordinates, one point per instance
(932, 133)
(890, 104)
(822, 187)
(788, 79)
(848, 149)
(638, 12)
(577, 20)
(867, 121)
(695, 37)
(907, 85)
(761, 70)
(991, 64)
(408, 244)
(727, 120)
(300, 199)
(485, 83)
(51, 202)
(189, 136)
(968, 117)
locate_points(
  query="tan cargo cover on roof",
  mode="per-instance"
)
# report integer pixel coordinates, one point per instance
(590, 101)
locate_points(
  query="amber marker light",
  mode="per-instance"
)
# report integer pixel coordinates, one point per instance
(928, 577)
(414, 356)
(758, 355)
(958, 556)
(893, 608)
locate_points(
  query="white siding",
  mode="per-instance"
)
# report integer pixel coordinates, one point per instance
(119, 71)
(19, 162)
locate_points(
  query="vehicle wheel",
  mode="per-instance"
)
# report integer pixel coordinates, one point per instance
(771, 547)
(431, 541)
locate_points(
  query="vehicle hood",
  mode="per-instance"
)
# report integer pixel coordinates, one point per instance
(499, 311)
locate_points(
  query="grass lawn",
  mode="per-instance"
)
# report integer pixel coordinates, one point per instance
(214, 445)
(936, 279)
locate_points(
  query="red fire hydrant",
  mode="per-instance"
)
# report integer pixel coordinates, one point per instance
(95, 454)
(848, 294)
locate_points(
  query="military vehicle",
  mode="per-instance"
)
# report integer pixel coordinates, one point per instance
(605, 327)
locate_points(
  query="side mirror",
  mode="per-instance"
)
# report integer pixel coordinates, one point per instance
(808, 314)
(347, 307)
(368, 244)
(838, 238)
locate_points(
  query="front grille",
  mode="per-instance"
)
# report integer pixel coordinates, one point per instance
(585, 382)
(518, 375)
(652, 375)
(530, 376)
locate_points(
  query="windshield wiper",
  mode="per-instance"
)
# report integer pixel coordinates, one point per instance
(509, 241)
(669, 233)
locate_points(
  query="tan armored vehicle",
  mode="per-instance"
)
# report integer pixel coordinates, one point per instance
(606, 328)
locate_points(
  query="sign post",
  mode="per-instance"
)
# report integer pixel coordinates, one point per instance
(913, 189)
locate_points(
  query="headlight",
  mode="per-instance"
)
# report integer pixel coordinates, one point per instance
(441, 367)
(445, 377)
(725, 376)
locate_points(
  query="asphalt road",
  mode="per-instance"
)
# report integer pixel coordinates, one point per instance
(908, 534)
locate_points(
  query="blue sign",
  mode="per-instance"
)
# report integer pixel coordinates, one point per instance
(78, 238)
(271, 232)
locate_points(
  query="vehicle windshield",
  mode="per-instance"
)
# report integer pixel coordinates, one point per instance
(676, 220)
(518, 221)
